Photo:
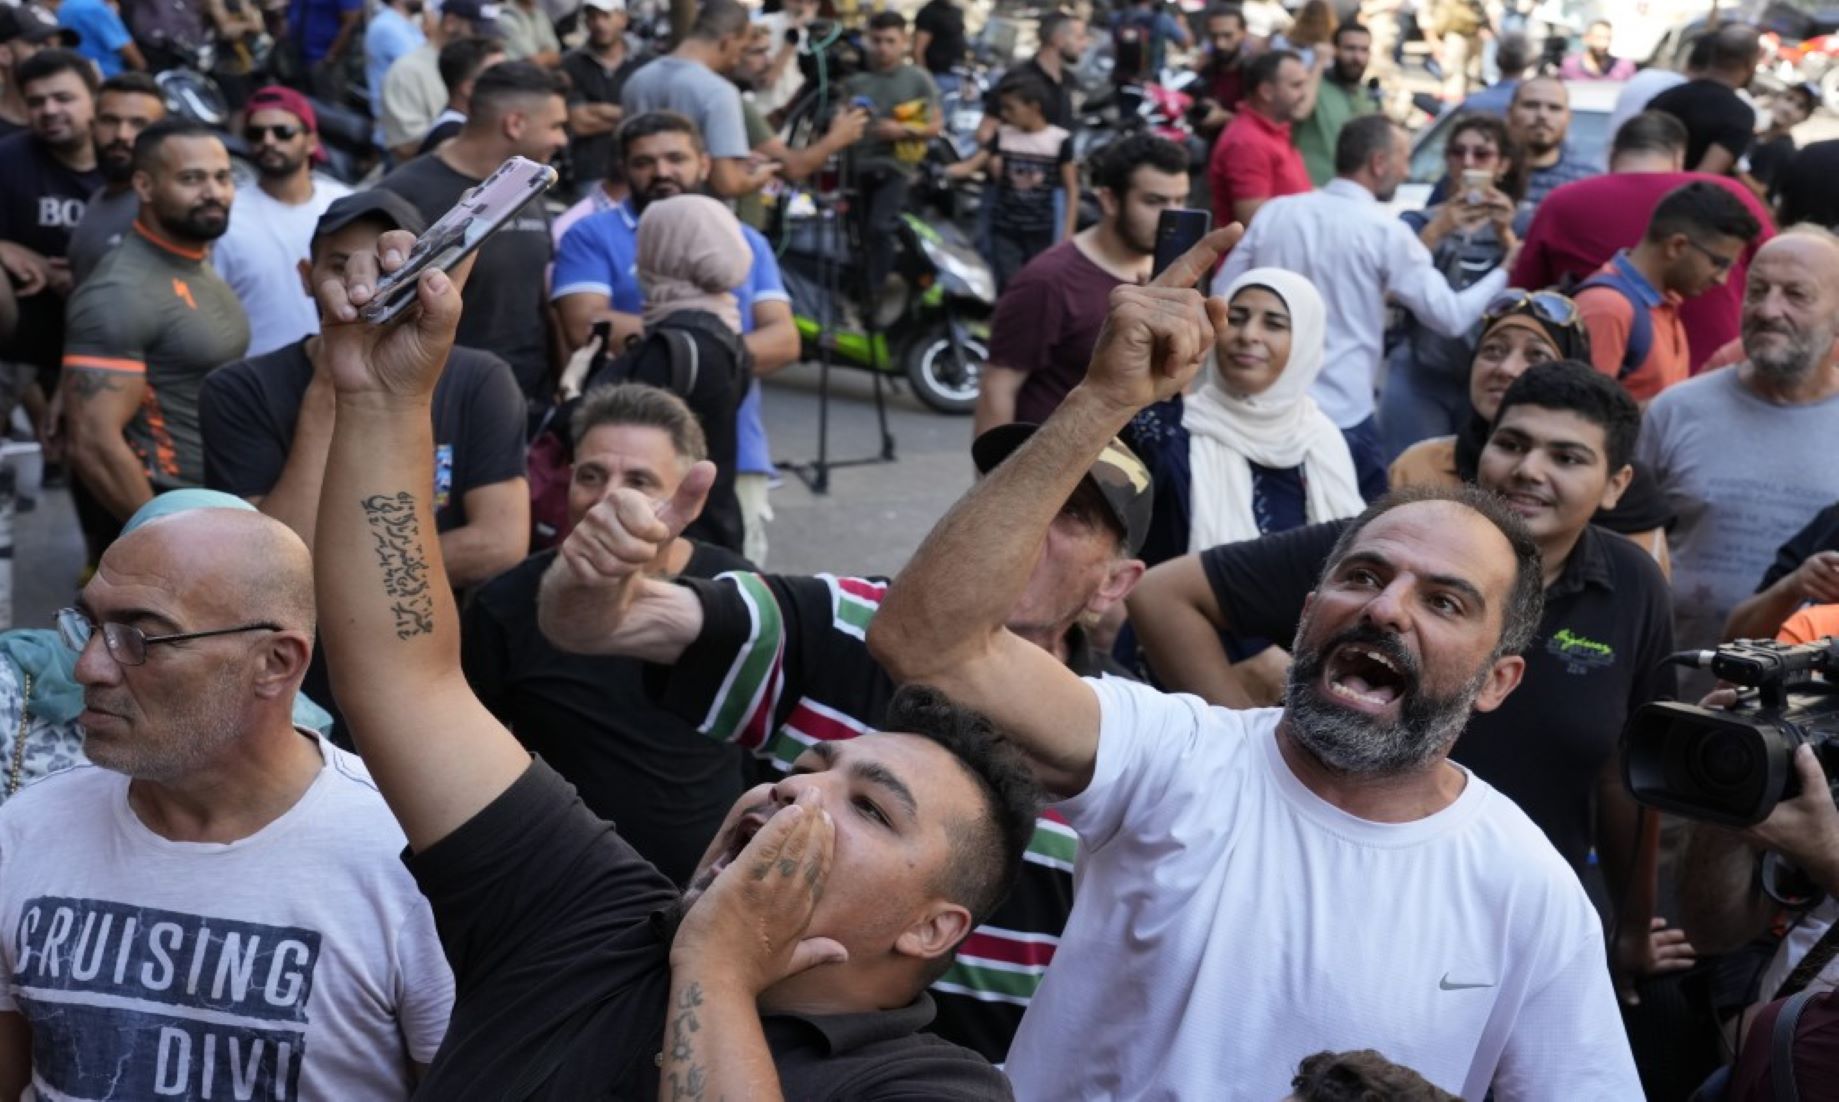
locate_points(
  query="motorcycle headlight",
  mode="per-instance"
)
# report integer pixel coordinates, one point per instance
(964, 276)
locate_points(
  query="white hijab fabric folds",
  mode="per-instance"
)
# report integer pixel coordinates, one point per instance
(1280, 429)
(691, 256)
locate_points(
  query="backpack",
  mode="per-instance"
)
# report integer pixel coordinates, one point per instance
(1133, 43)
(691, 353)
(1641, 323)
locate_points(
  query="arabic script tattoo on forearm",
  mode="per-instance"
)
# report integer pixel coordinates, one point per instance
(397, 532)
(688, 1079)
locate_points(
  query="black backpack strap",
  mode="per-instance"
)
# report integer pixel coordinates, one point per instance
(1781, 1049)
(1818, 957)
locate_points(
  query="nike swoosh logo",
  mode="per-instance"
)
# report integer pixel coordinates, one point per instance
(1445, 985)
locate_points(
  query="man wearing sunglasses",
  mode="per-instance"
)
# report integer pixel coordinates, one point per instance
(275, 215)
(214, 906)
(1631, 305)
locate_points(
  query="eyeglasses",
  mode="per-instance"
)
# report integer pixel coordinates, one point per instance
(1472, 154)
(127, 644)
(1719, 261)
(282, 133)
(1546, 305)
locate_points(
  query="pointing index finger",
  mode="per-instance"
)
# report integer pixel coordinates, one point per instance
(1194, 264)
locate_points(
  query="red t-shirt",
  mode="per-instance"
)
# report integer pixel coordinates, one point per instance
(1580, 225)
(1253, 160)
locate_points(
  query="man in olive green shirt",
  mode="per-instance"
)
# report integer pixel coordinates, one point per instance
(905, 104)
(1339, 97)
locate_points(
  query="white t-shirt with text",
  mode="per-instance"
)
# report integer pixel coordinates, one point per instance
(1227, 922)
(300, 962)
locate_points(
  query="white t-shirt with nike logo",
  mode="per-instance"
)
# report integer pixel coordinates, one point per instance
(1228, 922)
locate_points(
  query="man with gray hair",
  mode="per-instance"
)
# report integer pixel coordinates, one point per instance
(216, 904)
(1357, 254)
(1744, 456)
(1221, 852)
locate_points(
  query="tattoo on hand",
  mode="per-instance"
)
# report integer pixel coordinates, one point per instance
(692, 1081)
(405, 566)
(86, 383)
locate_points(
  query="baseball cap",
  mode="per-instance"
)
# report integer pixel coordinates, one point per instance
(371, 203)
(609, 6)
(1120, 478)
(483, 16)
(276, 98)
(34, 24)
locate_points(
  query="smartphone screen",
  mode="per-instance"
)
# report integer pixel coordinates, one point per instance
(480, 212)
(1177, 231)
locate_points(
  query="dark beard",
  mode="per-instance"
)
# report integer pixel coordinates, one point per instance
(200, 224)
(643, 199)
(278, 170)
(1342, 76)
(1356, 745)
(117, 167)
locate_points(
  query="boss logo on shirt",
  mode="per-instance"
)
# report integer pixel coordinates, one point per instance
(55, 210)
(1579, 653)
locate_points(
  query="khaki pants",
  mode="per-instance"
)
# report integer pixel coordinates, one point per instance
(1461, 55)
(756, 511)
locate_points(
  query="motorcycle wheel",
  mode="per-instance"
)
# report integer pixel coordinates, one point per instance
(941, 379)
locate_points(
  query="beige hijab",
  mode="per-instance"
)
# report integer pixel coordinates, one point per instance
(691, 257)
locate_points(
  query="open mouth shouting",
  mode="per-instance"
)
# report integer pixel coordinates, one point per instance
(1370, 675)
(745, 828)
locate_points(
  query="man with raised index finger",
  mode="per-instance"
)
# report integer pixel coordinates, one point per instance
(1257, 885)
(796, 964)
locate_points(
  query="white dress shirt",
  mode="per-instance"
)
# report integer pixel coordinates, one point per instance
(1356, 254)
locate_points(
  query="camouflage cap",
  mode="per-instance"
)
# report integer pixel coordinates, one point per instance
(1120, 478)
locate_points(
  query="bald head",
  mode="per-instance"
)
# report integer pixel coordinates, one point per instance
(219, 566)
(1791, 308)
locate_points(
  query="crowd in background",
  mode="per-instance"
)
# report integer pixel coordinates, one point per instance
(428, 723)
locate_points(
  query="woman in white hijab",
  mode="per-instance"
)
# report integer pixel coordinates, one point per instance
(1262, 457)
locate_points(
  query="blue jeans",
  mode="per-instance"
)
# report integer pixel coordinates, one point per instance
(1369, 463)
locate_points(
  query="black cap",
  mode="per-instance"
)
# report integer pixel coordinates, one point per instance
(372, 203)
(482, 15)
(34, 24)
(1120, 478)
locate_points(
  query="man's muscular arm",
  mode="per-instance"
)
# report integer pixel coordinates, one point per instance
(98, 405)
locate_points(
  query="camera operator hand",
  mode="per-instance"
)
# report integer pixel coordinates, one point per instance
(1817, 579)
(1805, 829)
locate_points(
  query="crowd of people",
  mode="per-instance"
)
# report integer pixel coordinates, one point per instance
(427, 723)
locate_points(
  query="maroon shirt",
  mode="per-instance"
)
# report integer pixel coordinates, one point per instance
(1253, 160)
(1580, 225)
(1047, 323)
(1816, 1051)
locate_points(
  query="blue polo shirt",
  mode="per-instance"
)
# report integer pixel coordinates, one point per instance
(101, 31)
(599, 255)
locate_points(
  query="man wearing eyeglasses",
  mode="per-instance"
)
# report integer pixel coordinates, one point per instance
(1631, 305)
(275, 215)
(214, 906)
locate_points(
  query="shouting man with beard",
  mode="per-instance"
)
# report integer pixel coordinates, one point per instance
(148, 326)
(1339, 97)
(275, 215)
(125, 106)
(1744, 455)
(1256, 885)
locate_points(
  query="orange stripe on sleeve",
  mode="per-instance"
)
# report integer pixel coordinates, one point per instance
(106, 363)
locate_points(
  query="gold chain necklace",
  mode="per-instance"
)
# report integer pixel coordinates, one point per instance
(18, 769)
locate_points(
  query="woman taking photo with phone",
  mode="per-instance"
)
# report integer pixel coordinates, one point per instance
(1427, 381)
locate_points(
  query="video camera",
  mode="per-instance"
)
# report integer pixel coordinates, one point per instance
(829, 54)
(1733, 767)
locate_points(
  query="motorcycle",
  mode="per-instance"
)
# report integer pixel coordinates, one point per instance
(933, 330)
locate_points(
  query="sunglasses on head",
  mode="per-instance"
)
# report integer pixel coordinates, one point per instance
(282, 133)
(1548, 306)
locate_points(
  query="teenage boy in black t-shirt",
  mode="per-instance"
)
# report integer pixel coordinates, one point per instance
(589, 716)
(796, 964)
(1559, 450)
(1720, 127)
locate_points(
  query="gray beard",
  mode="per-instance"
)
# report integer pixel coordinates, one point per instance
(1792, 365)
(1355, 745)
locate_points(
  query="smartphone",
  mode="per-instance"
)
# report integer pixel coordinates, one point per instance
(1475, 183)
(1177, 231)
(481, 212)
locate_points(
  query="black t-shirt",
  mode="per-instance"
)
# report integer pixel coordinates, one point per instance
(506, 310)
(1059, 101)
(41, 202)
(1770, 159)
(558, 930)
(247, 412)
(1712, 114)
(944, 21)
(590, 718)
(1806, 186)
(1821, 534)
(1608, 624)
(590, 82)
(782, 661)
